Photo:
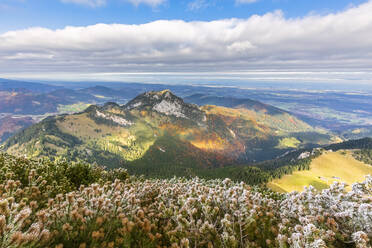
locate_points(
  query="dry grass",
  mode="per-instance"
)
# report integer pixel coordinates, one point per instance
(326, 169)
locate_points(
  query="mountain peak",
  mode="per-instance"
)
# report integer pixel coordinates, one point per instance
(167, 103)
(164, 94)
(153, 98)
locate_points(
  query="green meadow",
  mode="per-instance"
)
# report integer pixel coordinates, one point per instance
(329, 167)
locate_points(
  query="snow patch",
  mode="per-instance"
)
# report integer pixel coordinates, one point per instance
(304, 155)
(323, 179)
(161, 149)
(119, 120)
(135, 105)
(232, 133)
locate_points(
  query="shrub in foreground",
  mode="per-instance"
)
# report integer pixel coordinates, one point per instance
(182, 213)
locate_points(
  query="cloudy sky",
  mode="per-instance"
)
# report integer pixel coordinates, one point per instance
(310, 40)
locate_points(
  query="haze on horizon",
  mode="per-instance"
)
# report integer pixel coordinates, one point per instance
(160, 40)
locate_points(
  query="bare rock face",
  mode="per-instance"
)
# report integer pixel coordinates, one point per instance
(165, 102)
(115, 118)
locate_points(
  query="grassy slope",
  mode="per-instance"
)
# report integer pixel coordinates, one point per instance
(323, 168)
(191, 147)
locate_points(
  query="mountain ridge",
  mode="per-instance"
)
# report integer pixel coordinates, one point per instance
(232, 102)
(167, 103)
(129, 135)
(8, 84)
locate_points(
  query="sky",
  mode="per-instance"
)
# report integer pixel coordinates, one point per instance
(268, 40)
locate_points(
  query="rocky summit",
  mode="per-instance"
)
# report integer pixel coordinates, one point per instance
(167, 103)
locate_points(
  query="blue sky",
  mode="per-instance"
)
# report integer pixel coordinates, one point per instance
(19, 14)
(269, 40)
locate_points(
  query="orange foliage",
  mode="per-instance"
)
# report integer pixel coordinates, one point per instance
(200, 138)
(292, 121)
(209, 144)
(174, 128)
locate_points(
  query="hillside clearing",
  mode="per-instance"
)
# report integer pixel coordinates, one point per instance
(326, 169)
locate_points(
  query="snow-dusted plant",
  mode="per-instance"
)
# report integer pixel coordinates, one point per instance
(179, 212)
(329, 218)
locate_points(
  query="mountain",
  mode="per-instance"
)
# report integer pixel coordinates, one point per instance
(69, 96)
(101, 91)
(158, 133)
(21, 102)
(167, 103)
(30, 103)
(36, 101)
(14, 85)
(340, 166)
(9, 125)
(365, 143)
(232, 102)
(27, 102)
(348, 162)
(20, 107)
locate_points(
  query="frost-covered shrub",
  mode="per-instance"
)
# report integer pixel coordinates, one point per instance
(178, 212)
(330, 218)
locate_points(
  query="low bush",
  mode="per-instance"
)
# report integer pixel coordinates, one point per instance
(114, 210)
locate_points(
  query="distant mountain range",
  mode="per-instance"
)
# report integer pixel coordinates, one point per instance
(159, 133)
(250, 135)
(232, 102)
(7, 84)
(344, 114)
(24, 98)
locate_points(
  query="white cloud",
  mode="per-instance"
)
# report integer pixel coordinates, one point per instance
(99, 3)
(198, 4)
(152, 3)
(245, 1)
(90, 3)
(331, 42)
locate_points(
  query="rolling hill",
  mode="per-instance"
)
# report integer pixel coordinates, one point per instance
(9, 125)
(31, 103)
(11, 85)
(349, 161)
(338, 166)
(232, 102)
(157, 133)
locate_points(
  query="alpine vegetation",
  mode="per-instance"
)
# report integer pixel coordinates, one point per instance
(42, 206)
(166, 126)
